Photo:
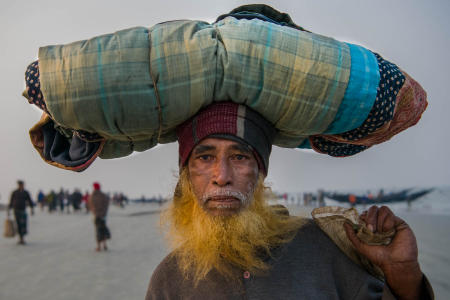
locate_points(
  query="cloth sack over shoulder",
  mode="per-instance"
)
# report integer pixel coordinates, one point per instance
(331, 220)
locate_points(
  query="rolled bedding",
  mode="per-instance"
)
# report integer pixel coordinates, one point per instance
(127, 91)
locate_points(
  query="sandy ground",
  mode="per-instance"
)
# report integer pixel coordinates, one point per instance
(59, 261)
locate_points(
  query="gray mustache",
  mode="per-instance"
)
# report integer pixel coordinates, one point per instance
(226, 193)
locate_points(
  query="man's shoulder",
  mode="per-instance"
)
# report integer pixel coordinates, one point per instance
(168, 267)
(166, 277)
(310, 231)
(313, 247)
(168, 263)
(98, 195)
(20, 193)
(311, 239)
(314, 259)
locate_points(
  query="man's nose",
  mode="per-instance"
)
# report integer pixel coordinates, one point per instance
(222, 173)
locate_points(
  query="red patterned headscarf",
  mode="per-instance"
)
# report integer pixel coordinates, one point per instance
(231, 121)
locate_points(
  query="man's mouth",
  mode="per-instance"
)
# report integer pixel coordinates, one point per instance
(223, 204)
(223, 199)
(224, 196)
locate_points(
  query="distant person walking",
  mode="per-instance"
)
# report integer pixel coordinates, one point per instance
(75, 199)
(41, 199)
(51, 201)
(98, 204)
(60, 200)
(18, 203)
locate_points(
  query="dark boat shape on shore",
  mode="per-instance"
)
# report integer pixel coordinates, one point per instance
(403, 195)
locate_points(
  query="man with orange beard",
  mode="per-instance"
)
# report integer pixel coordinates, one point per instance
(228, 243)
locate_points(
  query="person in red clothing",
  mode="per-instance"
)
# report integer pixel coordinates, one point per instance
(98, 204)
(85, 200)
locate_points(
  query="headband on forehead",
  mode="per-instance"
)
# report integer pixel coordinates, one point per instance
(232, 121)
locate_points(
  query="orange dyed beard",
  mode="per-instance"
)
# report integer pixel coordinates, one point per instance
(202, 242)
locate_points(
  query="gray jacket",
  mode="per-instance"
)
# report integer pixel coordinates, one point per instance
(311, 266)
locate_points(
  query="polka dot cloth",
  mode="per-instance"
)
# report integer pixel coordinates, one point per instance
(336, 149)
(391, 81)
(33, 88)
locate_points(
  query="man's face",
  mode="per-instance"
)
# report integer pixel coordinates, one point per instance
(223, 174)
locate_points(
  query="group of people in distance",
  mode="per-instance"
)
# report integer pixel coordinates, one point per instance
(64, 200)
(97, 202)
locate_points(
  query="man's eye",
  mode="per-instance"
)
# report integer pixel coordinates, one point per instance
(205, 157)
(240, 157)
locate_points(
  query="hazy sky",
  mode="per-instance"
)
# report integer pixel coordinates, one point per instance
(413, 34)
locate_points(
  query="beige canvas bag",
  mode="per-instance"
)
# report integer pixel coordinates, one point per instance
(9, 228)
(331, 220)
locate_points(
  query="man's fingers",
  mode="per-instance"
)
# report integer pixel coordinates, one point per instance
(351, 234)
(353, 238)
(385, 221)
(399, 223)
(371, 218)
(381, 219)
(389, 224)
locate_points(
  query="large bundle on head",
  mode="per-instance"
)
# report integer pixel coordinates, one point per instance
(127, 91)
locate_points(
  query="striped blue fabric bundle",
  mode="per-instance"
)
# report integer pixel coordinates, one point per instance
(132, 88)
